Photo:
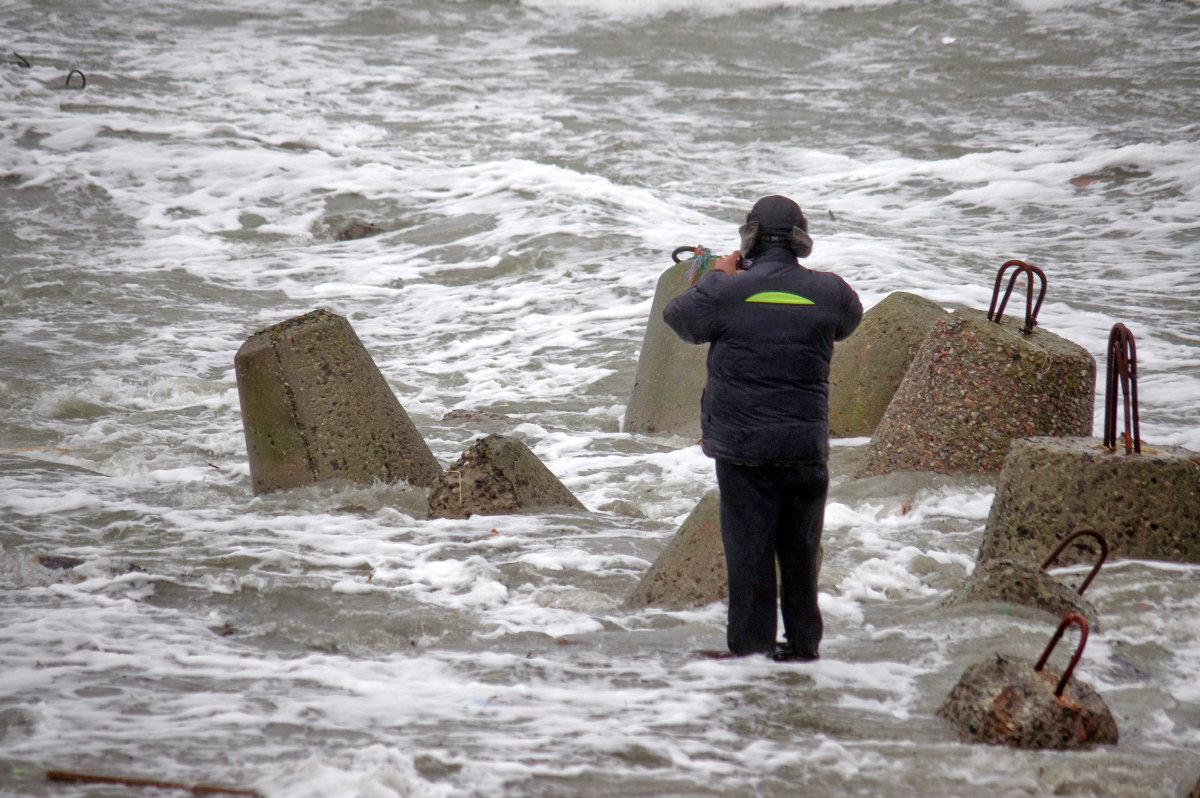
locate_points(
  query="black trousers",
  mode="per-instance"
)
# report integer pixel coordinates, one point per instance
(772, 514)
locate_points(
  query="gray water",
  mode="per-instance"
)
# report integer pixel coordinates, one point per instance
(532, 165)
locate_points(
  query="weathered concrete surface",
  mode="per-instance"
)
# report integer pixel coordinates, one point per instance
(481, 422)
(496, 476)
(1006, 702)
(1146, 506)
(315, 407)
(868, 367)
(356, 229)
(973, 387)
(690, 572)
(670, 373)
(1012, 582)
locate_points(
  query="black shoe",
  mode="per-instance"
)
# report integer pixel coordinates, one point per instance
(785, 653)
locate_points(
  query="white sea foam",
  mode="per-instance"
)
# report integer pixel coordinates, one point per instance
(714, 8)
(532, 166)
(375, 772)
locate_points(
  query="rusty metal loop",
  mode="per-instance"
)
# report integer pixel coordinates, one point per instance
(1122, 373)
(1031, 308)
(22, 61)
(1080, 532)
(1062, 627)
(675, 255)
(82, 79)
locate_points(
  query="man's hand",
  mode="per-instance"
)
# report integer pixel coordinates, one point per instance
(730, 263)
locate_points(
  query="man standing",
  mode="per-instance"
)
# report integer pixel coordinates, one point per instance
(764, 418)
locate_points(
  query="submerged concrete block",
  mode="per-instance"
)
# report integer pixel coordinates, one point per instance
(1007, 702)
(1012, 582)
(1147, 506)
(869, 366)
(496, 476)
(690, 571)
(973, 387)
(670, 373)
(354, 230)
(315, 407)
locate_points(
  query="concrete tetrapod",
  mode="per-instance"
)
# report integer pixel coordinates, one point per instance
(973, 387)
(1006, 702)
(1147, 505)
(865, 371)
(690, 571)
(868, 367)
(496, 476)
(1022, 583)
(670, 373)
(315, 407)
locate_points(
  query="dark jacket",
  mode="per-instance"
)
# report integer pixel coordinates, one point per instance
(771, 330)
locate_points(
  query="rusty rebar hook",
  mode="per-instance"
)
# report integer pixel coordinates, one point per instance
(1122, 373)
(679, 250)
(1062, 627)
(1080, 532)
(1031, 308)
(82, 79)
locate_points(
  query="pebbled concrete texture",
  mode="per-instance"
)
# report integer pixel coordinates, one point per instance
(868, 367)
(1006, 702)
(670, 374)
(315, 407)
(690, 571)
(496, 476)
(973, 387)
(1013, 582)
(1147, 506)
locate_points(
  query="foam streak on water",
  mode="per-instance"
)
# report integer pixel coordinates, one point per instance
(532, 165)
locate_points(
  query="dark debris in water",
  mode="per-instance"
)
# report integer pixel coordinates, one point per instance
(356, 230)
(57, 562)
(1110, 174)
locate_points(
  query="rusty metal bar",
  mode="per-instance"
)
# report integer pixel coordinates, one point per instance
(1031, 308)
(95, 778)
(702, 260)
(679, 250)
(1080, 532)
(1062, 627)
(1122, 373)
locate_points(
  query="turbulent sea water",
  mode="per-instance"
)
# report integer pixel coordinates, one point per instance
(531, 166)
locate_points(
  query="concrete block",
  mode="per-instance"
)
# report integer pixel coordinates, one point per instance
(1147, 506)
(1025, 584)
(690, 571)
(496, 476)
(670, 373)
(868, 367)
(315, 407)
(973, 387)
(1006, 702)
